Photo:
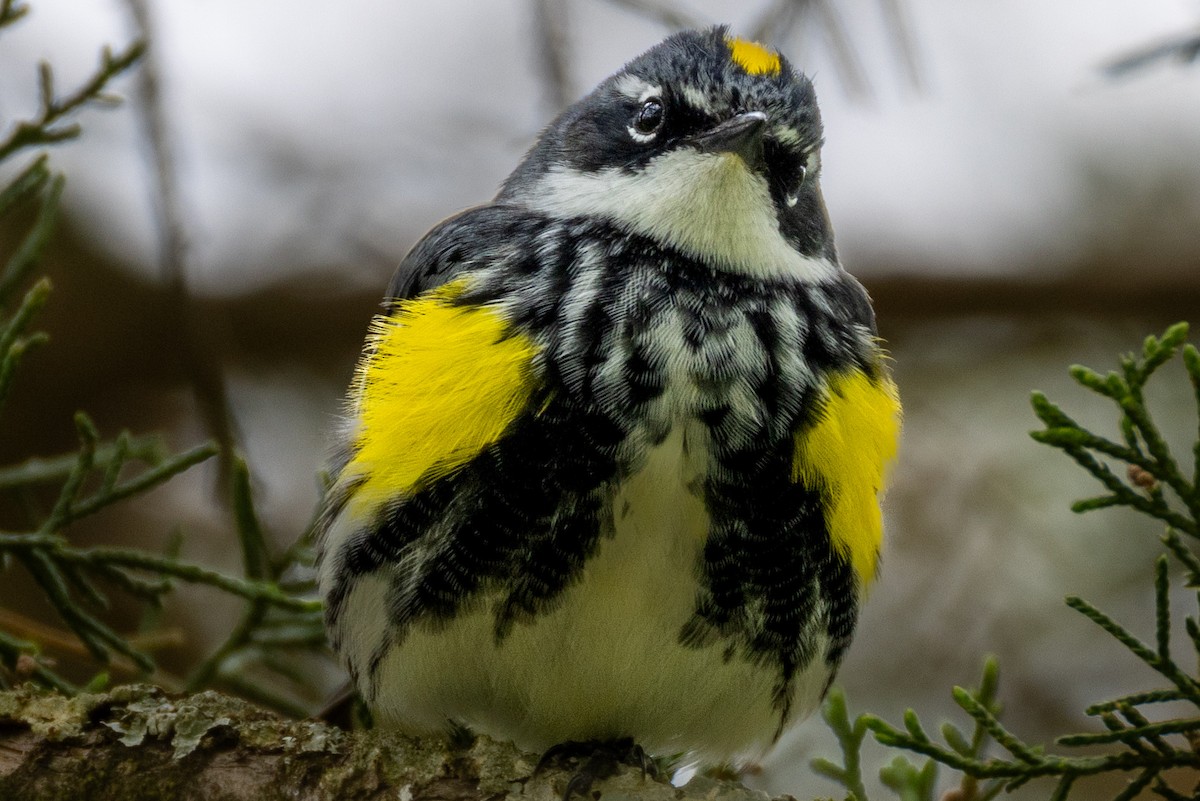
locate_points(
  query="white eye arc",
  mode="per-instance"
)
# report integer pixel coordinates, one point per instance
(640, 138)
(792, 198)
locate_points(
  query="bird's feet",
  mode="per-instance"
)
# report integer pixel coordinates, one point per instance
(595, 760)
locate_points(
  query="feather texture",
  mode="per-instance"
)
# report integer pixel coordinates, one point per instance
(846, 454)
(439, 383)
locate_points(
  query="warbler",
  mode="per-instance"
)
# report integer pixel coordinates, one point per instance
(613, 453)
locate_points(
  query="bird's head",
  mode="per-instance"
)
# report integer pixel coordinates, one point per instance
(706, 143)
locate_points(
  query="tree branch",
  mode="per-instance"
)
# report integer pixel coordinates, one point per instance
(136, 742)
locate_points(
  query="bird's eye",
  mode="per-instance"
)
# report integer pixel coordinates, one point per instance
(647, 120)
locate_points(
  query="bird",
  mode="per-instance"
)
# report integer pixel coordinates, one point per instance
(611, 462)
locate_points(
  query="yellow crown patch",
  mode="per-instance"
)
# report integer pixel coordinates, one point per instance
(753, 57)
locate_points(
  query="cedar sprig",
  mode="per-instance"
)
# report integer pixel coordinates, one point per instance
(1139, 744)
(282, 616)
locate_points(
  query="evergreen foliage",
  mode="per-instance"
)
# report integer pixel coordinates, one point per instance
(279, 615)
(1134, 742)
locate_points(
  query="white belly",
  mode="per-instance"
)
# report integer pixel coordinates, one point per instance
(607, 661)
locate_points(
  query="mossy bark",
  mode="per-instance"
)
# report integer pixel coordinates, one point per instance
(136, 742)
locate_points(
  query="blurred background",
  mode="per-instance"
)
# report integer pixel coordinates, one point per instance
(1016, 188)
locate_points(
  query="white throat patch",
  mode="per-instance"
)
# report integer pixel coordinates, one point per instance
(710, 206)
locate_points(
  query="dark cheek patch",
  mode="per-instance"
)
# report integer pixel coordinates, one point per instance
(601, 139)
(805, 225)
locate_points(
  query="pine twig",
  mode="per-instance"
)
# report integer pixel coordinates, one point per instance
(1145, 452)
(48, 127)
(850, 738)
(1157, 487)
(20, 265)
(78, 582)
(266, 627)
(11, 11)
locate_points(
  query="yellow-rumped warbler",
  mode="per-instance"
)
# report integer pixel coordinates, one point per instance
(613, 455)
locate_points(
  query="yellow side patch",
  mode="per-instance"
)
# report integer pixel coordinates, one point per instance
(439, 384)
(846, 455)
(753, 57)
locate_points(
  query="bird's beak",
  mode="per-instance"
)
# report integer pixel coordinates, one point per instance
(741, 135)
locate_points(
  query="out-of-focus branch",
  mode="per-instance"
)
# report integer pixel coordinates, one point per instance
(914, 297)
(11, 11)
(778, 19)
(896, 19)
(662, 12)
(196, 353)
(1184, 49)
(551, 31)
(849, 66)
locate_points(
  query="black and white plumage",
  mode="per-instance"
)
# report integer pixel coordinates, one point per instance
(647, 505)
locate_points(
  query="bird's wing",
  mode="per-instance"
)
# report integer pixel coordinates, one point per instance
(460, 243)
(462, 465)
(442, 377)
